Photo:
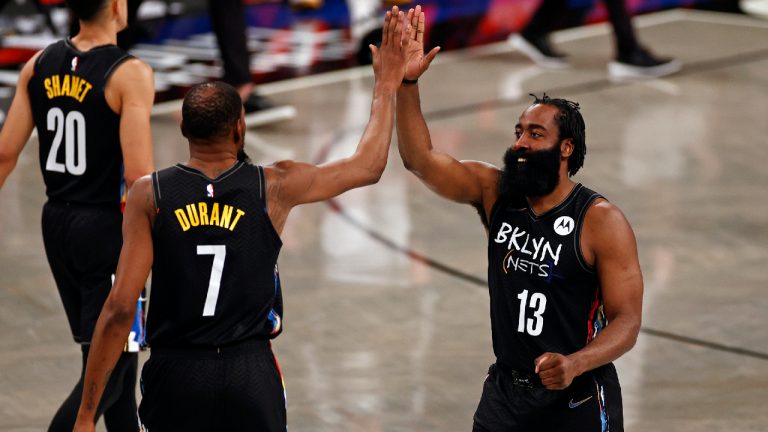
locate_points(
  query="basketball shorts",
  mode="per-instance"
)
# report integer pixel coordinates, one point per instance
(509, 403)
(231, 388)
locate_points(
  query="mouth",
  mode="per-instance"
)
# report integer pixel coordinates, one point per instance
(521, 160)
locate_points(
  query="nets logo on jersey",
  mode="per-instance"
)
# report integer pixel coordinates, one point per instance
(564, 225)
(75, 62)
(209, 190)
(528, 254)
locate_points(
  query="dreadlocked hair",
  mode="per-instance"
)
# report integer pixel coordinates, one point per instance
(570, 124)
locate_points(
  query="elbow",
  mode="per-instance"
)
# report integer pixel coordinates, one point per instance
(374, 174)
(130, 178)
(632, 334)
(7, 164)
(411, 162)
(631, 342)
(407, 164)
(114, 314)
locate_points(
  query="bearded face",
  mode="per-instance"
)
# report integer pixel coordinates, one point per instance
(530, 173)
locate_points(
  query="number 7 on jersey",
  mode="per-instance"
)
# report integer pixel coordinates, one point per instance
(219, 252)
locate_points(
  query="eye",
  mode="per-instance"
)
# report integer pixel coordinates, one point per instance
(535, 135)
(518, 133)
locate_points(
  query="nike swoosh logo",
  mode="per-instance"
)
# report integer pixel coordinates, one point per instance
(572, 404)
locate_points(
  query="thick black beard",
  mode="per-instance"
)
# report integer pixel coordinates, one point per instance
(538, 176)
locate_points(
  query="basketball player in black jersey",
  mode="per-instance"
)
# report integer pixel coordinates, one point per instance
(563, 274)
(91, 103)
(210, 230)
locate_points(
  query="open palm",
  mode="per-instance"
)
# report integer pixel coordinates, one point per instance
(416, 61)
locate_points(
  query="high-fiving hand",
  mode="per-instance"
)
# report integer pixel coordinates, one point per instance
(417, 62)
(390, 59)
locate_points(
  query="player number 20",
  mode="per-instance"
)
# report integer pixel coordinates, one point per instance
(219, 253)
(534, 325)
(71, 129)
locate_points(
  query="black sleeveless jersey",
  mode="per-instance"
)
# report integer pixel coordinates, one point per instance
(544, 297)
(214, 276)
(80, 154)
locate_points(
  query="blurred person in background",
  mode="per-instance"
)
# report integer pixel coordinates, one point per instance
(632, 60)
(90, 102)
(229, 25)
(228, 22)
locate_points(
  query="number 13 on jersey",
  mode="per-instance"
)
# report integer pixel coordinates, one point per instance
(538, 302)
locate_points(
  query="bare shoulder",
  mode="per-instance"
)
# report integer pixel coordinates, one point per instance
(276, 173)
(603, 215)
(606, 229)
(132, 77)
(271, 173)
(133, 69)
(282, 166)
(142, 192)
(29, 69)
(132, 82)
(277, 170)
(286, 169)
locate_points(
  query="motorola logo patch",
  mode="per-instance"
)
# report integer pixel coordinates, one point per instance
(564, 225)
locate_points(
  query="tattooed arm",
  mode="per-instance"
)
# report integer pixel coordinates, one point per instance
(119, 310)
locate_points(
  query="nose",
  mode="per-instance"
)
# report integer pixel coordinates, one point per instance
(520, 144)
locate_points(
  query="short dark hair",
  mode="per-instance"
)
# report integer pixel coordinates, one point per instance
(210, 110)
(571, 125)
(86, 10)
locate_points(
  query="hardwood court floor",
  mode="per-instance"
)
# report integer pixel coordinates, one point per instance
(386, 310)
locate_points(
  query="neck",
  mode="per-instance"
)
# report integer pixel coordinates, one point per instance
(93, 34)
(545, 203)
(212, 159)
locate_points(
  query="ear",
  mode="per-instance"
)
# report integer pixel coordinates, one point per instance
(238, 132)
(115, 7)
(240, 126)
(566, 148)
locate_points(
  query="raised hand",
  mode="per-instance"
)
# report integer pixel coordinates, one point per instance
(417, 62)
(389, 60)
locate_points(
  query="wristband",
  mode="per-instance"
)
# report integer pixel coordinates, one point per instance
(410, 81)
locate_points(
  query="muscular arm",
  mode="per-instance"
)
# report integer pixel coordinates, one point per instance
(609, 241)
(304, 183)
(292, 183)
(19, 123)
(131, 93)
(119, 310)
(468, 182)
